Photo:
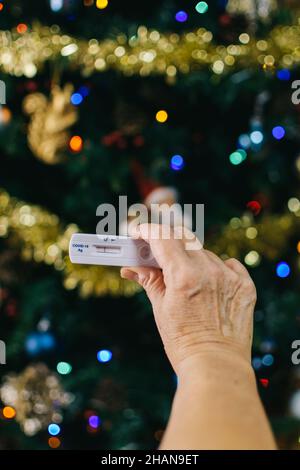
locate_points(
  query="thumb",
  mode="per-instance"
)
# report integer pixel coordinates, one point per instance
(151, 279)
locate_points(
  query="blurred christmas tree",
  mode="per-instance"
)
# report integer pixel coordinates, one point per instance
(107, 98)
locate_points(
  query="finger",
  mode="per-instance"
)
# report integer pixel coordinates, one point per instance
(151, 279)
(167, 250)
(237, 267)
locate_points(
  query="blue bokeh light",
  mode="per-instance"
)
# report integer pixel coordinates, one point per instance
(244, 141)
(54, 429)
(181, 16)
(256, 363)
(84, 91)
(278, 132)
(104, 355)
(283, 74)
(283, 269)
(56, 5)
(76, 99)
(177, 162)
(268, 360)
(94, 421)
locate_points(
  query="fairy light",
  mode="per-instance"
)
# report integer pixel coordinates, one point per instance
(1, 6)
(256, 137)
(76, 143)
(244, 141)
(298, 247)
(252, 258)
(294, 204)
(76, 99)
(177, 162)
(161, 116)
(104, 355)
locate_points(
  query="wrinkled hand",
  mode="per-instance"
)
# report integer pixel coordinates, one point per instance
(200, 303)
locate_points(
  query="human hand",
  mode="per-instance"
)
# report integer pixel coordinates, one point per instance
(202, 305)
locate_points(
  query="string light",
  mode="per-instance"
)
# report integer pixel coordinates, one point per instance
(283, 270)
(238, 156)
(254, 206)
(56, 5)
(54, 429)
(76, 143)
(101, 4)
(9, 412)
(201, 7)
(54, 442)
(104, 355)
(181, 16)
(278, 132)
(161, 116)
(177, 162)
(64, 368)
(194, 49)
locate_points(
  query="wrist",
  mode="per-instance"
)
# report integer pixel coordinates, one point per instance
(221, 365)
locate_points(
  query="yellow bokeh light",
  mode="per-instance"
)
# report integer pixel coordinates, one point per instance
(298, 247)
(161, 116)
(101, 4)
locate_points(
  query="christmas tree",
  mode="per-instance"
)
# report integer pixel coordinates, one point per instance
(101, 98)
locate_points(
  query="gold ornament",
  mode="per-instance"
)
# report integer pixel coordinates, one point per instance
(36, 396)
(50, 120)
(148, 52)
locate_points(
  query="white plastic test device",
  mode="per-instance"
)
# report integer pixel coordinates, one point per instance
(108, 250)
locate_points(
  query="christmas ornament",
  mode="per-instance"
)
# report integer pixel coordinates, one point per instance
(50, 119)
(37, 397)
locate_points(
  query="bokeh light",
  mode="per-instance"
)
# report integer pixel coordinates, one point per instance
(256, 137)
(268, 360)
(161, 116)
(56, 5)
(282, 269)
(22, 28)
(104, 355)
(177, 162)
(284, 74)
(235, 158)
(76, 99)
(54, 429)
(76, 143)
(201, 7)
(94, 421)
(181, 16)
(54, 442)
(278, 132)
(9, 412)
(64, 368)
(244, 141)
(252, 258)
(101, 4)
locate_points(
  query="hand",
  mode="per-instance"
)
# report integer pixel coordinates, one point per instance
(201, 304)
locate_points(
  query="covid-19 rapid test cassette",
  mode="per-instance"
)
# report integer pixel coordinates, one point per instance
(108, 250)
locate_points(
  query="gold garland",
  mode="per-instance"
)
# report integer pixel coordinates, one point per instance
(42, 238)
(147, 52)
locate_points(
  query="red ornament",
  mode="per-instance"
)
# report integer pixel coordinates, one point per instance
(254, 206)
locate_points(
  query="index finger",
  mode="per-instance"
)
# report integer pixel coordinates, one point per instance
(166, 249)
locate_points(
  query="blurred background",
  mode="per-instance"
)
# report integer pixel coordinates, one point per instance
(169, 100)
